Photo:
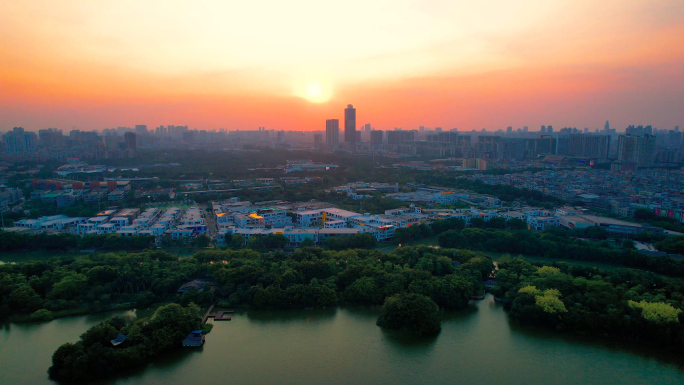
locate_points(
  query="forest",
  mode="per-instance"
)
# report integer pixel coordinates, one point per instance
(306, 277)
(12, 241)
(559, 242)
(624, 304)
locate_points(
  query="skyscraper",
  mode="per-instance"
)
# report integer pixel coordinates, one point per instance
(332, 134)
(589, 146)
(376, 138)
(18, 140)
(350, 124)
(637, 149)
(130, 138)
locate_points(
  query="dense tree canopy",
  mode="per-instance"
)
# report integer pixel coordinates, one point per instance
(94, 357)
(558, 242)
(414, 312)
(623, 304)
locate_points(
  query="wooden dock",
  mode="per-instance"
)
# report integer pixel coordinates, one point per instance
(208, 314)
(218, 316)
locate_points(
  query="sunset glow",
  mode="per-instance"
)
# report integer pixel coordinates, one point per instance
(291, 65)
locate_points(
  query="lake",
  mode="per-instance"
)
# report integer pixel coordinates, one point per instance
(343, 346)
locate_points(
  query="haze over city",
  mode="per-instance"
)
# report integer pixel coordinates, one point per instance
(289, 66)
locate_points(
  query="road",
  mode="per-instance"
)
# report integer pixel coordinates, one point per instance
(209, 219)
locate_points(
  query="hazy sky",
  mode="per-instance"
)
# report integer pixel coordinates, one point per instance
(292, 64)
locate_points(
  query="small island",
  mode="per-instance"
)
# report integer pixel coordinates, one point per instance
(413, 312)
(113, 346)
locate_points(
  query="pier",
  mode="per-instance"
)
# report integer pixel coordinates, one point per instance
(218, 316)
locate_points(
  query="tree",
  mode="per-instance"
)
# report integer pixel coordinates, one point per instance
(363, 290)
(202, 241)
(516, 224)
(414, 312)
(24, 298)
(308, 242)
(237, 241)
(657, 312)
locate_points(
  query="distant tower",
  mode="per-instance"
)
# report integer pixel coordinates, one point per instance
(607, 126)
(350, 124)
(332, 134)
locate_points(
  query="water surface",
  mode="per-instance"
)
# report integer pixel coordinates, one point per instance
(343, 346)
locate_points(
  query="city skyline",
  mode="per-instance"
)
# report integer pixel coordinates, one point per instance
(447, 64)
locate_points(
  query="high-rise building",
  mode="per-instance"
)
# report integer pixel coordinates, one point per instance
(350, 124)
(332, 134)
(130, 139)
(318, 140)
(18, 140)
(607, 126)
(51, 138)
(366, 127)
(141, 129)
(637, 149)
(399, 137)
(376, 138)
(589, 146)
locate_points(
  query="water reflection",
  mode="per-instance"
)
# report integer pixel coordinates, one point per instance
(406, 340)
(286, 316)
(605, 343)
(168, 361)
(458, 315)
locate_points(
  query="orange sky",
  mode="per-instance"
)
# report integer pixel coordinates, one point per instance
(213, 64)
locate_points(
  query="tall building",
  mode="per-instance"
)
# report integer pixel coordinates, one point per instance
(51, 138)
(589, 146)
(141, 129)
(18, 140)
(607, 126)
(399, 137)
(366, 127)
(332, 134)
(318, 140)
(130, 139)
(376, 138)
(637, 149)
(350, 124)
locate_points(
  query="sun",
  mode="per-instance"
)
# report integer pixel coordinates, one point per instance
(314, 90)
